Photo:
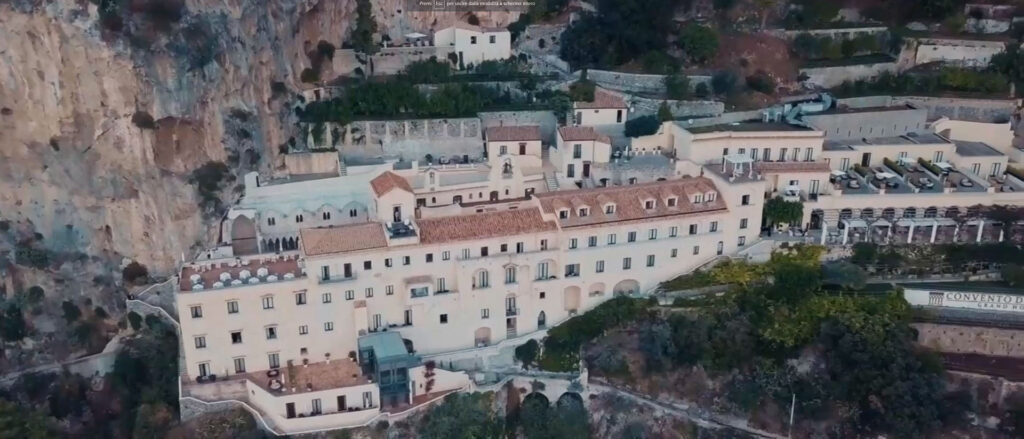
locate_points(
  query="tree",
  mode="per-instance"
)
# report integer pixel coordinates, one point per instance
(864, 254)
(677, 86)
(779, 211)
(35, 294)
(664, 112)
(134, 272)
(24, 423)
(699, 42)
(135, 320)
(701, 90)
(844, 274)
(71, 311)
(762, 82)
(569, 418)
(527, 352)
(461, 416)
(366, 26)
(582, 90)
(1013, 275)
(621, 31)
(723, 82)
(642, 126)
(807, 46)
(793, 283)
(12, 323)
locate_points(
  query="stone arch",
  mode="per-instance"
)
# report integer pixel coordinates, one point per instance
(626, 287)
(931, 212)
(910, 212)
(889, 213)
(243, 236)
(867, 213)
(846, 213)
(952, 212)
(482, 336)
(596, 289)
(571, 299)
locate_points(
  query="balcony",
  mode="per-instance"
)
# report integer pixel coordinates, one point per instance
(398, 230)
(338, 279)
(511, 312)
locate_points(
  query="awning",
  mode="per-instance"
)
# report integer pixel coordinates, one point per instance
(856, 222)
(943, 165)
(881, 222)
(414, 35)
(838, 173)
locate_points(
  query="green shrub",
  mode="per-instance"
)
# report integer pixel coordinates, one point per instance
(309, 75)
(71, 311)
(927, 164)
(642, 126)
(893, 166)
(135, 320)
(562, 345)
(677, 87)
(527, 352)
(723, 82)
(35, 294)
(760, 81)
(582, 91)
(699, 42)
(143, 120)
(134, 272)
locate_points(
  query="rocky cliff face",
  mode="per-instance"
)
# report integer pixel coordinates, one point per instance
(217, 77)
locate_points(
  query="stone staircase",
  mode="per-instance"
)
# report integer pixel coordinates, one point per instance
(342, 169)
(551, 180)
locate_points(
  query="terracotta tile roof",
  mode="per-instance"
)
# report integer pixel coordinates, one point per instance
(571, 134)
(387, 181)
(629, 201)
(482, 226)
(338, 239)
(791, 167)
(602, 99)
(512, 133)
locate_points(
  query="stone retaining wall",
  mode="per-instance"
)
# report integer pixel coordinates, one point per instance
(832, 76)
(635, 82)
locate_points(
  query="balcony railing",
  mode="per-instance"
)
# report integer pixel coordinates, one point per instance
(511, 312)
(336, 279)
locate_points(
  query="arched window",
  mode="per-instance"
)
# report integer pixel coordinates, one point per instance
(952, 212)
(867, 213)
(845, 214)
(931, 212)
(910, 212)
(510, 274)
(888, 213)
(542, 320)
(431, 175)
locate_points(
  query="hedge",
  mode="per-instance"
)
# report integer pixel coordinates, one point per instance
(861, 170)
(893, 166)
(930, 166)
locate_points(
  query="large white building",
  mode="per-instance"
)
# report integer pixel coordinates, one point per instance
(329, 332)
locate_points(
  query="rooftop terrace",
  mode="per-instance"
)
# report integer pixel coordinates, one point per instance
(751, 126)
(234, 273)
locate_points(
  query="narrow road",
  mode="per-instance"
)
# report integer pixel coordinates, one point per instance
(697, 415)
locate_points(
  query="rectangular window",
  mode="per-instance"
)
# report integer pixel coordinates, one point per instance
(714, 226)
(419, 292)
(408, 317)
(592, 241)
(631, 237)
(367, 265)
(271, 332)
(240, 365)
(542, 271)
(443, 318)
(742, 241)
(572, 243)
(472, 40)
(652, 234)
(328, 326)
(673, 253)
(650, 260)
(441, 287)
(197, 311)
(627, 263)
(503, 248)
(510, 275)
(673, 231)
(303, 329)
(387, 262)
(368, 292)
(743, 223)
(745, 200)
(543, 244)
(465, 253)
(572, 270)
(325, 272)
(485, 313)
(268, 302)
(446, 255)
(483, 251)
(200, 342)
(612, 238)
(693, 229)
(599, 267)
(274, 360)
(520, 247)
(696, 249)
(577, 151)
(406, 260)
(317, 406)
(300, 298)
(326, 298)
(232, 307)
(350, 294)
(236, 337)
(389, 290)
(430, 257)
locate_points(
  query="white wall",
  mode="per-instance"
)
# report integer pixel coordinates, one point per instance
(996, 135)
(965, 52)
(274, 407)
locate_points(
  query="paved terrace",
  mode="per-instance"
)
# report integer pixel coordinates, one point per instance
(232, 273)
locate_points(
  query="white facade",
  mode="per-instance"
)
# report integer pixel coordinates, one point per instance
(970, 53)
(474, 44)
